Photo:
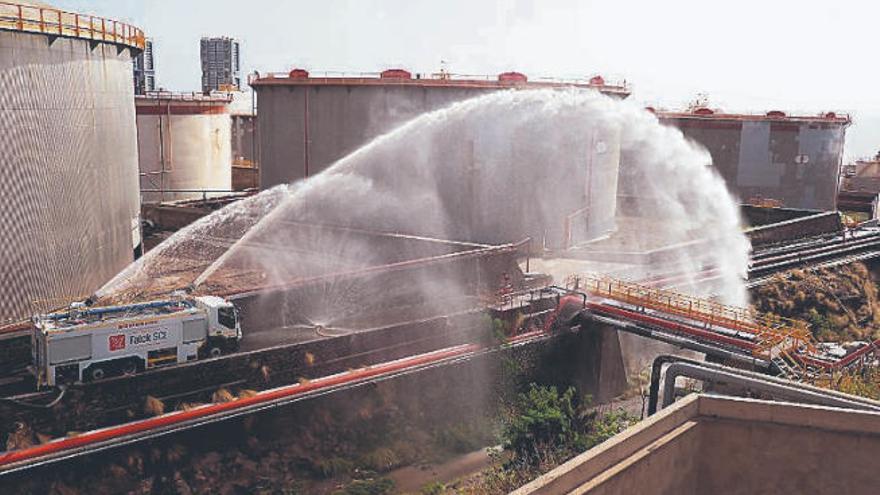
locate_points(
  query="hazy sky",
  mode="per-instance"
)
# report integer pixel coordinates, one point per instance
(747, 55)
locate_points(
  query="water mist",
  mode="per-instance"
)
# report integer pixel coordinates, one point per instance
(539, 164)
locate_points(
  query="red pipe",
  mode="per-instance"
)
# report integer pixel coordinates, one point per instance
(176, 417)
(843, 362)
(675, 327)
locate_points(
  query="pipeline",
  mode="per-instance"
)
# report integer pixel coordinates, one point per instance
(707, 372)
(152, 427)
(656, 372)
(674, 326)
(115, 436)
(681, 342)
(62, 389)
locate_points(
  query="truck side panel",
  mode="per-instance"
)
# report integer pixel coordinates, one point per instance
(75, 348)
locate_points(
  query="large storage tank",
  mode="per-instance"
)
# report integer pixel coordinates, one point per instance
(69, 209)
(184, 145)
(307, 123)
(777, 159)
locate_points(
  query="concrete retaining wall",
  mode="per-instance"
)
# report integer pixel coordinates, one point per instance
(797, 228)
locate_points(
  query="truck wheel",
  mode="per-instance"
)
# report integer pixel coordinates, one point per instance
(130, 367)
(215, 352)
(96, 374)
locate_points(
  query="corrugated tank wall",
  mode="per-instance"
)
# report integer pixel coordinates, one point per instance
(69, 210)
(341, 119)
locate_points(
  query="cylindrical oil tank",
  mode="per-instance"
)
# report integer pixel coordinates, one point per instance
(69, 210)
(772, 158)
(307, 123)
(184, 146)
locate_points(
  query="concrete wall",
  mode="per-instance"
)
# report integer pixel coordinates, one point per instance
(244, 138)
(69, 209)
(740, 458)
(793, 162)
(796, 228)
(729, 446)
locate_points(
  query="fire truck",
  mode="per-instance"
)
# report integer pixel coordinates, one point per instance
(84, 344)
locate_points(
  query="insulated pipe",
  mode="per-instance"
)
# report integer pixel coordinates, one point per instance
(785, 391)
(664, 359)
(681, 342)
(788, 383)
(656, 372)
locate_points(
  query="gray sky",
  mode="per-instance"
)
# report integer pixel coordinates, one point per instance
(747, 55)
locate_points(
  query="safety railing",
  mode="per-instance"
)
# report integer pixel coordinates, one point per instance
(218, 97)
(773, 335)
(753, 114)
(439, 77)
(46, 20)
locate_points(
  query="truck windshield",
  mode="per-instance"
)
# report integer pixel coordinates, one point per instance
(226, 317)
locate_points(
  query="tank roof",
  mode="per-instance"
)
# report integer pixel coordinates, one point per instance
(770, 116)
(162, 102)
(400, 77)
(40, 18)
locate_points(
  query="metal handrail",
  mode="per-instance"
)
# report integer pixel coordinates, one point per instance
(773, 334)
(219, 97)
(47, 20)
(446, 77)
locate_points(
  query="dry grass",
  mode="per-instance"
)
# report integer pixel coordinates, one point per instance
(222, 395)
(246, 393)
(153, 406)
(840, 303)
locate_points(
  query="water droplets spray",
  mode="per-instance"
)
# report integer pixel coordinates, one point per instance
(494, 169)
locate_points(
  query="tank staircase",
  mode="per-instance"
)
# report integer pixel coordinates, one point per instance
(786, 347)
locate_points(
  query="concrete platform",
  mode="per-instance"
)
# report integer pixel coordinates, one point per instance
(727, 446)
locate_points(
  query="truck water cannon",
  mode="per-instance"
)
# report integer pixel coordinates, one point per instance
(87, 343)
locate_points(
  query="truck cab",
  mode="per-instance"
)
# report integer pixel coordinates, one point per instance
(224, 327)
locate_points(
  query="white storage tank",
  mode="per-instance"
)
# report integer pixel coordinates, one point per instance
(184, 145)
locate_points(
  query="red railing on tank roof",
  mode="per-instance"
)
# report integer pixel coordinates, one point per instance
(46, 20)
(438, 79)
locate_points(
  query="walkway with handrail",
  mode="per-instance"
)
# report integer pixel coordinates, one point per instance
(55, 22)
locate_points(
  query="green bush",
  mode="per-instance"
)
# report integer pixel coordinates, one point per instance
(543, 419)
(381, 459)
(546, 426)
(607, 425)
